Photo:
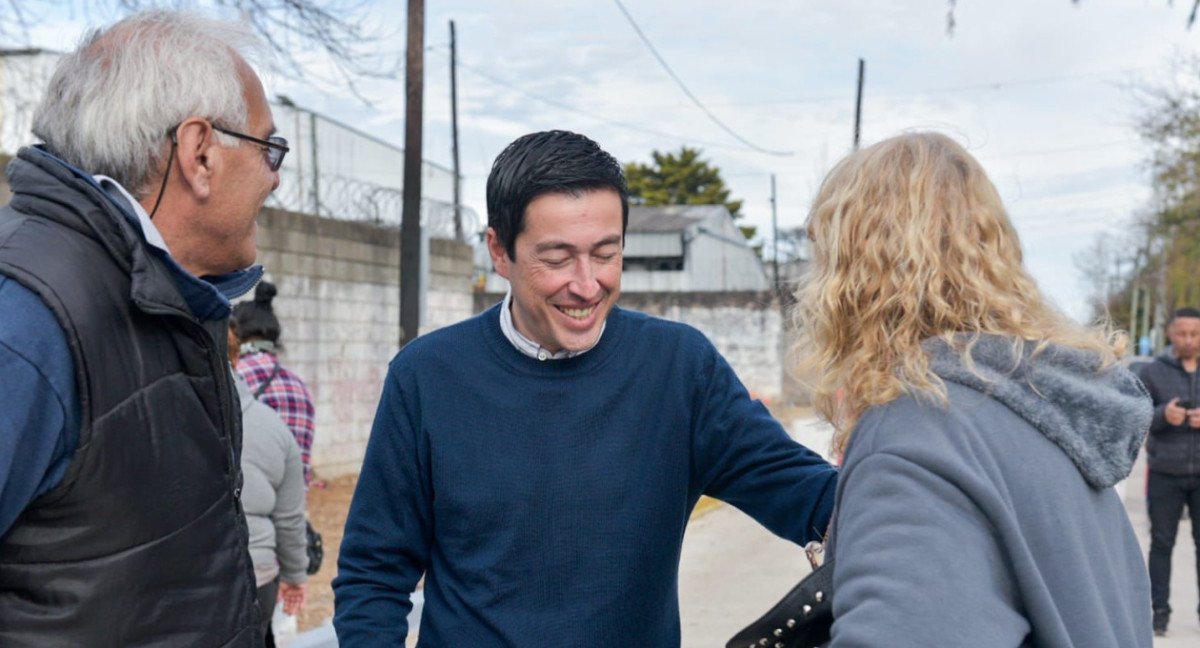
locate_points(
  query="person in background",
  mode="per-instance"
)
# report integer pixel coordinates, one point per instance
(273, 498)
(982, 429)
(1173, 453)
(131, 227)
(269, 380)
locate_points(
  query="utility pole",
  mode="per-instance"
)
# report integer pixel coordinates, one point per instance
(458, 231)
(1148, 299)
(1135, 300)
(1133, 313)
(316, 168)
(858, 102)
(775, 233)
(410, 226)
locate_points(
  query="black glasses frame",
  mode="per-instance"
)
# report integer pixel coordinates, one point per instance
(275, 147)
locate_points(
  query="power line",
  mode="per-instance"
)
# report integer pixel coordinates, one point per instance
(687, 92)
(570, 108)
(992, 85)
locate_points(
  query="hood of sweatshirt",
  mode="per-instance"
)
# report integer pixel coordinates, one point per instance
(1168, 356)
(1099, 418)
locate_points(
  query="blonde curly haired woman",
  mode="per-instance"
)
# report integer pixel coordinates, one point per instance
(982, 429)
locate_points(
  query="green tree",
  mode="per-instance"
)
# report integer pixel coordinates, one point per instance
(1162, 249)
(682, 178)
(1170, 125)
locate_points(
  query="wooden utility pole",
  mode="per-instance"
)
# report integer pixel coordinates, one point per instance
(410, 226)
(858, 102)
(775, 233)
(458, 231)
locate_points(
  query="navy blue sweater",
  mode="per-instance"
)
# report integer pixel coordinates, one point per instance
(545, 502)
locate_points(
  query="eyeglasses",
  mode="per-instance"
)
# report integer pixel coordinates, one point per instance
(274, 147)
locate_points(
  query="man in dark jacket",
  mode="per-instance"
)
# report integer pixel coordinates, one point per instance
(130, 229)
(1173, 452)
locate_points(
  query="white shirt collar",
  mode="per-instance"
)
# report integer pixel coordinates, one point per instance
(529, 347)
(153, 236)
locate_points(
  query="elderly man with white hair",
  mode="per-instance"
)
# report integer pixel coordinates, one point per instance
(131, 227)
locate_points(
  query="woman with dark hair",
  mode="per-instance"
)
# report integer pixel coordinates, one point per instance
(270, 381)
(273, 500)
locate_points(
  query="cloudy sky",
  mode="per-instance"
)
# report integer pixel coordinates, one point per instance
(1036, 89)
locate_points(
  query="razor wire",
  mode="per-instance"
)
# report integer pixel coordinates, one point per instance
(332, 170)
(344, 198)
(337, 171)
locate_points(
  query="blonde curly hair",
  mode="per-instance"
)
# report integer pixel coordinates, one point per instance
(911, 241)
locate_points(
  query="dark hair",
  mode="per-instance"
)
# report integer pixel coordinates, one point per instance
(547, 162)
(1186, 311)
(256, 319)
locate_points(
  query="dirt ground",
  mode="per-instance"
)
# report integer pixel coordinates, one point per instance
(327, 509)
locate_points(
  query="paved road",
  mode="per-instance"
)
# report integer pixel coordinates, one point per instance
(1184, 631)
(732, 570)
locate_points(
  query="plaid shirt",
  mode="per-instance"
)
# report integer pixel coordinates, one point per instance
(287, 395)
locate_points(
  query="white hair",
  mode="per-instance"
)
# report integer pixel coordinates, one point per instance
(112, 102)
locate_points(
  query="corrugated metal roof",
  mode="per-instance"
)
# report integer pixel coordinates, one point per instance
(653, 244)
(668, 218)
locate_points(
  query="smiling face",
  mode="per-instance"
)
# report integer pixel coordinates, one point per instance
(566, 276)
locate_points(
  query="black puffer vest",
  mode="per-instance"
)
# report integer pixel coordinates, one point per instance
(143, 543)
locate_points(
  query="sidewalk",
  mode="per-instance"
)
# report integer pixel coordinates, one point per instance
(1184, 631)
(732, 569)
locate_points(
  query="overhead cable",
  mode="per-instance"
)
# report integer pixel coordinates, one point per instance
(687, 92)
(619, 124)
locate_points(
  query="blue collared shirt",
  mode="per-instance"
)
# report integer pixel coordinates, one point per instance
(529, 347)
(39, 424)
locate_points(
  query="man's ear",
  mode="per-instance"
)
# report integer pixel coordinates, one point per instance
(499, 255)
(197, 139)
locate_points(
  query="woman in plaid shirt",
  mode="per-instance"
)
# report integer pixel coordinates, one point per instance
(271, 382)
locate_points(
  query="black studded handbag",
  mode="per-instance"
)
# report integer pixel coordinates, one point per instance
(802, 619)
(315, 548)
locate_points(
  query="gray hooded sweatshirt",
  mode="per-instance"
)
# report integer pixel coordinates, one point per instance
(993, 523)
(273, 493)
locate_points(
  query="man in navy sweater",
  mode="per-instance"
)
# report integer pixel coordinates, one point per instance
(537, 463)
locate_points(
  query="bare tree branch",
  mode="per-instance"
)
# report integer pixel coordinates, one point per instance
(951, 22)
(295, 30)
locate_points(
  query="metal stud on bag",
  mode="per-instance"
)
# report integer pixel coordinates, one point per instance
(782, 630)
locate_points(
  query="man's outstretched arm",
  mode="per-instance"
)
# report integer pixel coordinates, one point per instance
(743, 456)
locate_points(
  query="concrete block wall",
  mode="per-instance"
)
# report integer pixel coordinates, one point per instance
(746, 327)
(338, 305)
(450, 296)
